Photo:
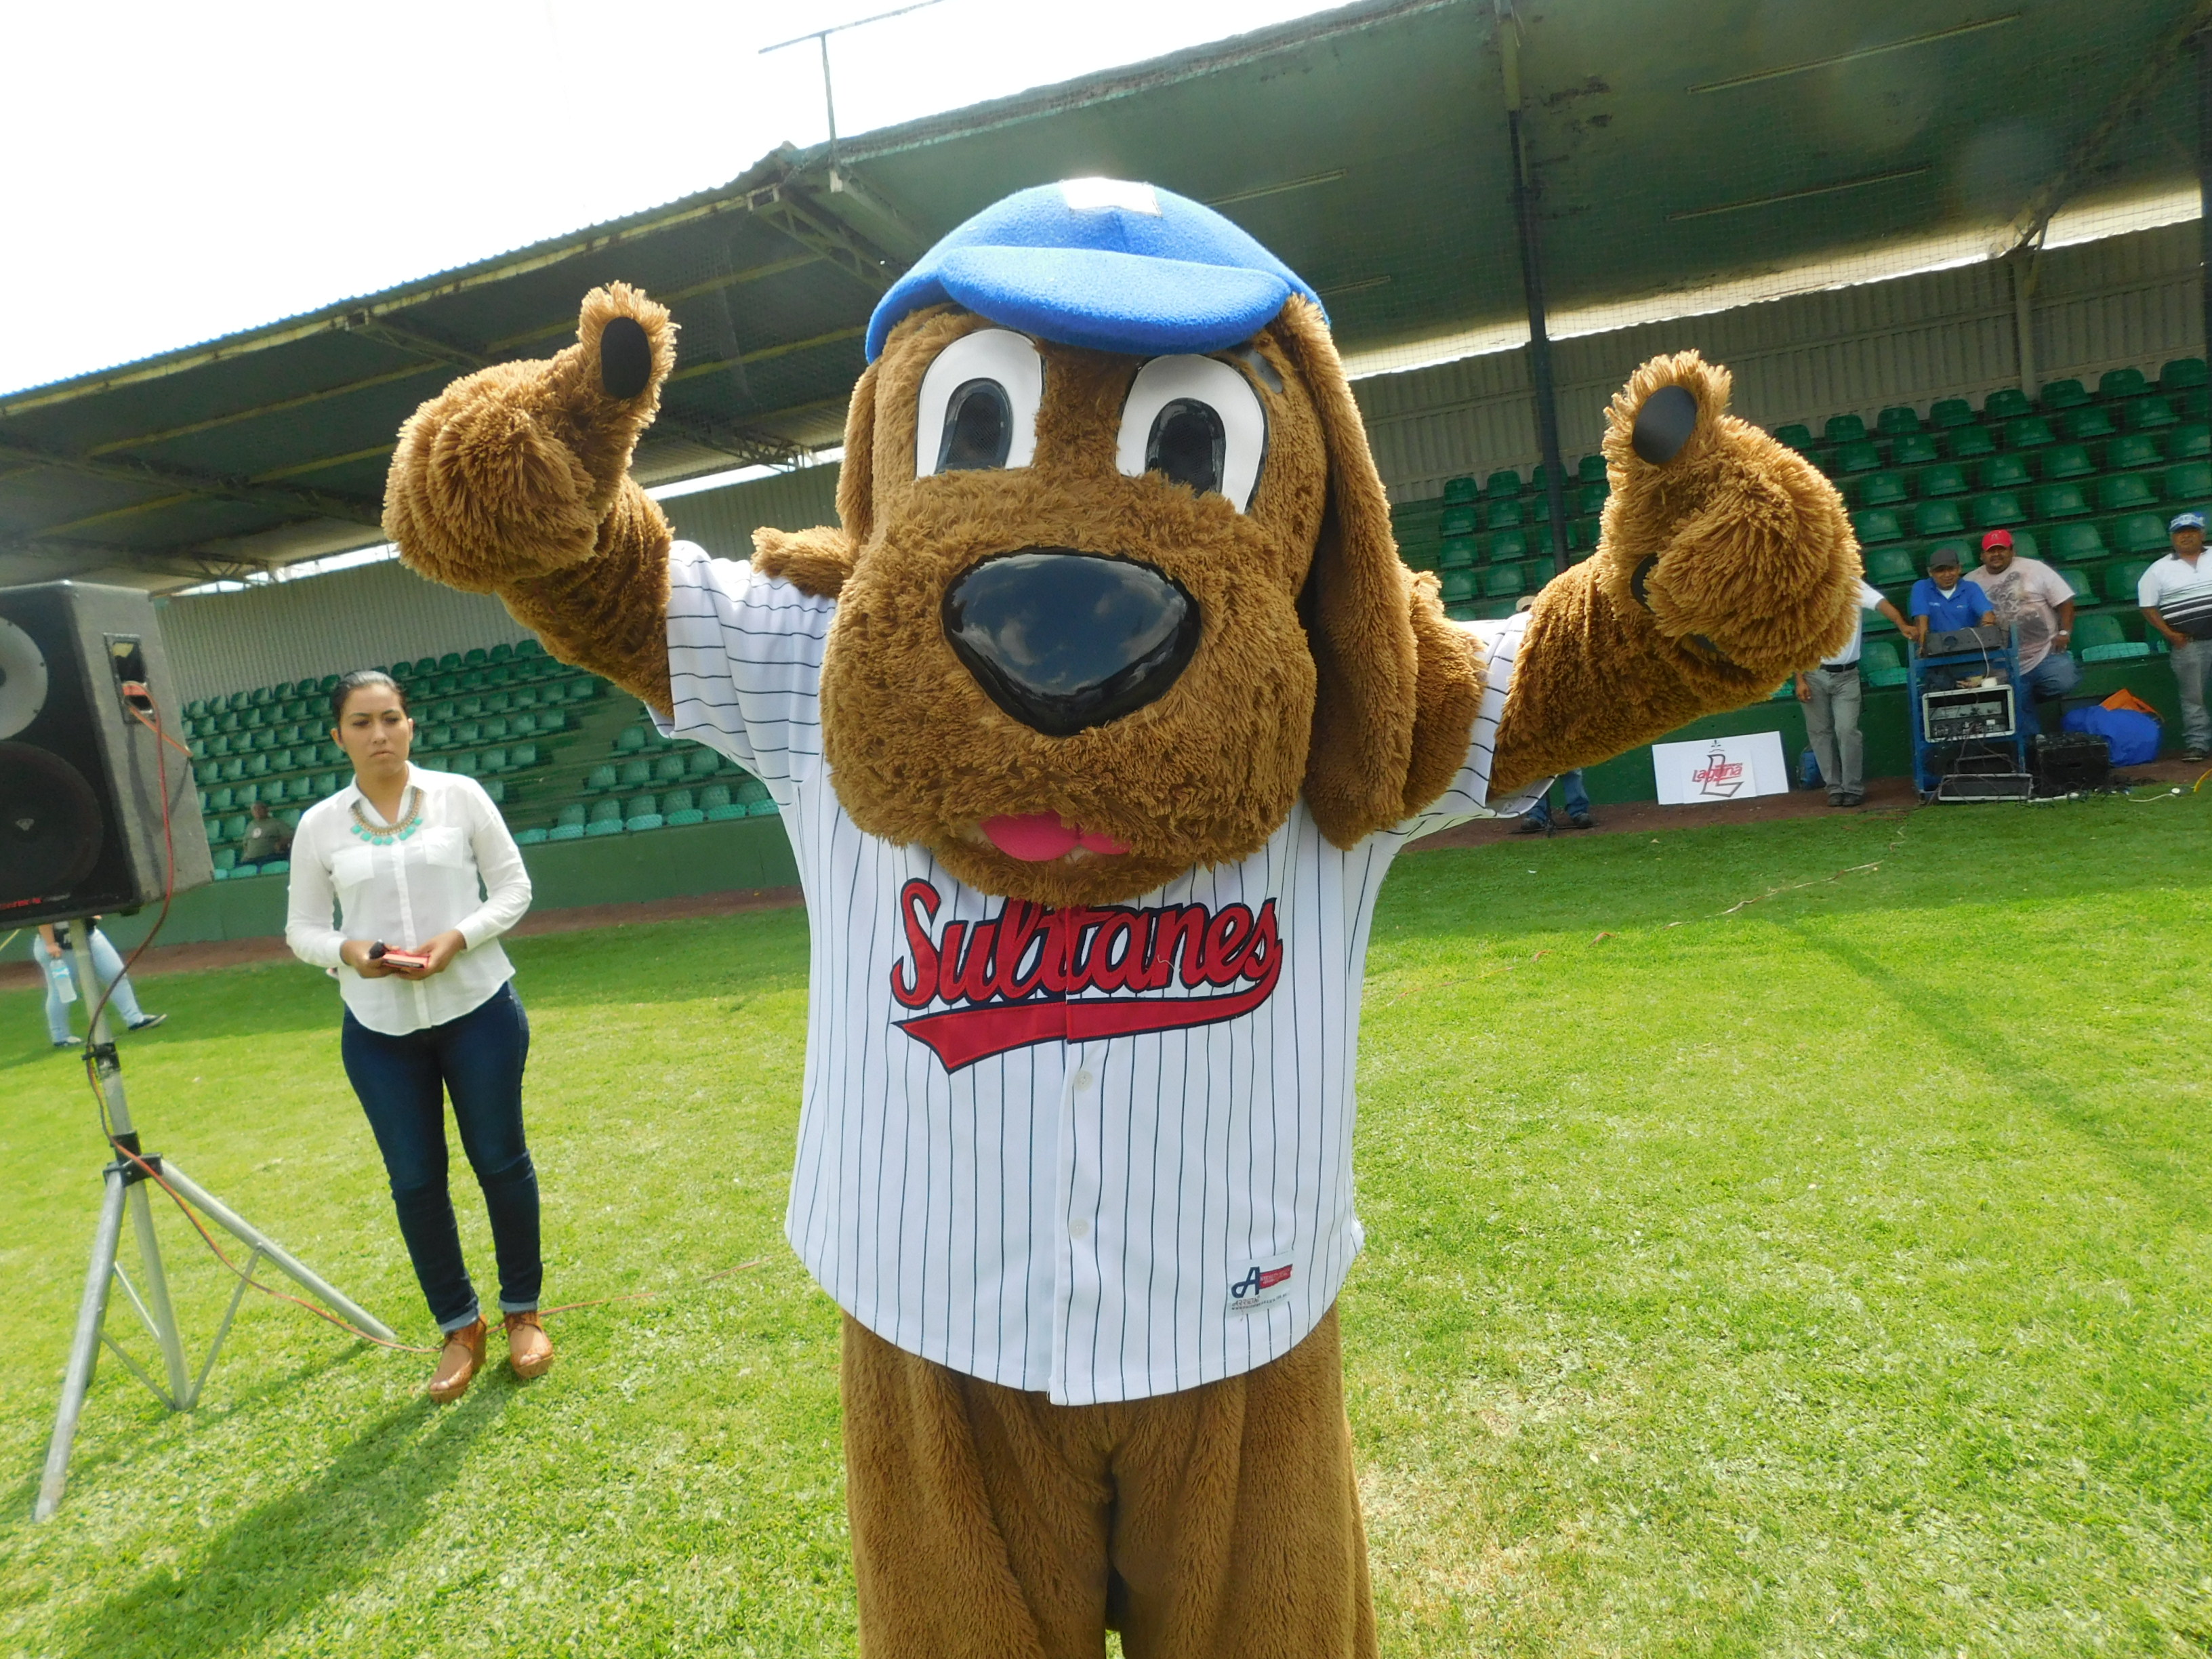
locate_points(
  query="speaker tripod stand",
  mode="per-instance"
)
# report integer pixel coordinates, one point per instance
(125, 1190)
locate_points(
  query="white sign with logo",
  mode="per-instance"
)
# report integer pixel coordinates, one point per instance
(1720, 769)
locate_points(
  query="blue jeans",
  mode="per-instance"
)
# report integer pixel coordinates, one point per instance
(1571, 790)
(2054, 677)
(105, 963)
(478, 1059)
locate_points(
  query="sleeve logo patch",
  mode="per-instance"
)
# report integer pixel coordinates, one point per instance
(1258, 1285)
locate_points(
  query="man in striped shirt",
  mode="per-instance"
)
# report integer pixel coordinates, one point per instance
(1095, 726)
(2175, 595)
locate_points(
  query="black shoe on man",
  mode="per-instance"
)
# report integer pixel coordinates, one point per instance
(147, 1022)
(1582, 820)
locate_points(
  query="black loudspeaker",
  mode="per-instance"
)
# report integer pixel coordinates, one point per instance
(81, 797)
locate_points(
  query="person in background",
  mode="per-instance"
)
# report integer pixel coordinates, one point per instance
(400, 852)
(2029, 595)
(1943, 600)
(2176, 597)
(1537, 820)
(52, 945)
(267, 839)
(1831, 695)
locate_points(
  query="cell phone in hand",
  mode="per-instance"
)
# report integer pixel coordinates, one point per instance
(390, 958)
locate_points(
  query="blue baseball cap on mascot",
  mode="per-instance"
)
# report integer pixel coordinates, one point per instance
(1101, 264)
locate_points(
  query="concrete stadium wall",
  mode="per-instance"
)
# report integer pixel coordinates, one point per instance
(660, 864)
(2101, 305)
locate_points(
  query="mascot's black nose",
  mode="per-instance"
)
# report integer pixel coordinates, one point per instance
(1065, 641)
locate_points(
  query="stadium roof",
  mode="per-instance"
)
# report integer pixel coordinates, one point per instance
(1675, 144)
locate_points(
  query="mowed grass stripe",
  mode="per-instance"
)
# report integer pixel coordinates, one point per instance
(1825, 1277)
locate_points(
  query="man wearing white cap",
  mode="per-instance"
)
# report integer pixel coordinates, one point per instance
(2176, 597)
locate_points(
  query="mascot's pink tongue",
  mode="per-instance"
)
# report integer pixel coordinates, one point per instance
(1040, 837)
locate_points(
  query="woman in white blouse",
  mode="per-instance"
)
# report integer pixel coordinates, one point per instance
(400, 852)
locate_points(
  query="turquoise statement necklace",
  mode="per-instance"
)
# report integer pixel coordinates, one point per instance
(410, 820)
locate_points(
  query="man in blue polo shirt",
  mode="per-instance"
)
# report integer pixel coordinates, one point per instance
(1943, 600)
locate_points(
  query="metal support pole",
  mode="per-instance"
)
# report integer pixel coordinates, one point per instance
(2027, 264)
(84, 1346)
(1532, 288)
(99, 1043)
(2204, 174)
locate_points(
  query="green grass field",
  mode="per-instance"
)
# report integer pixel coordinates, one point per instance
(1828, 1275)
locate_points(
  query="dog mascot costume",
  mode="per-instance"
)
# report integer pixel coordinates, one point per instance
(1094, 726)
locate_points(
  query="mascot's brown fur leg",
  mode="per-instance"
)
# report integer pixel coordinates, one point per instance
(1219, 1522)
(515, 481)
(1727, 563)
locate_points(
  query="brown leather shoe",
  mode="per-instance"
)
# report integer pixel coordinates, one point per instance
(457, 1362)
(529, 1350)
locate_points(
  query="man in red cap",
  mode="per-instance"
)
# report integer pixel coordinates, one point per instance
(2028, 594)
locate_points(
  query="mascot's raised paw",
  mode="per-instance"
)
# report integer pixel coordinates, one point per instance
(522, 469)
(1734, 545)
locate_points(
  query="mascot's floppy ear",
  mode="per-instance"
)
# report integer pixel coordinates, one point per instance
(817, 561)
(1358, 608)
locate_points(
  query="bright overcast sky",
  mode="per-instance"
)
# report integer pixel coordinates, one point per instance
(185, 171)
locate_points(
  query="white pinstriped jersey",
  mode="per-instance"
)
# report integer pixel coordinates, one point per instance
(1101, 1153)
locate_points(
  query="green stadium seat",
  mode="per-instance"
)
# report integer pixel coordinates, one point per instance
(634, 774)
(2029, 431)
(2061, 500)
(1842, 429)
(1458, 553)
(669, 769)
(1938, 518)
(1876, 525)
(2068, 461)
(1879, 664)
(1590, 499)
(2147, 414)
(468, 763)
(299, 790)
(1504, 481)
(2120, 382)
(225, 860)
(2140, 533)
(2007, 404)
(2189, 442)
(1460, 521)
(1504, 515)
(2132, 449)
(715, 803)
(257, 766)
(643, 813)
(1972, 442)
(222, 799)
(494, 761)
(2085, 591)
(605, 818)
(527, 647)
(524, 725)
(676, 806)
(531, 837)
(2076, 544)
(1583, 534)
(469, 731)
(496, 789)
(2064, 394)
(499, 702)
(329, 783)
(2003, 472)
(765, 808)
(1947, 412)
(1458, 490)
(497, 729)
(1995, 511)
(1890, 566)
(2183, 371)
(501, 652)
(1860, 457)
(1913, 449)
(2120, 579)
(2189, 484)
(1797, 435)
(1459, 585)
(1897, 420)
(2088, 424)
(233, 827)
(231, 770)
(703, 765)
(1591, 468)
(2098, 638)
(1881, 489)
(550, 720)
(1503, 582)
(584, 687)
(1509, 546)
(475, 657)
(196, 707)
(2128, 492)
(470, 707)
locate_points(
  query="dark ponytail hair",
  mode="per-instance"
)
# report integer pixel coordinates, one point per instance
(350, 684)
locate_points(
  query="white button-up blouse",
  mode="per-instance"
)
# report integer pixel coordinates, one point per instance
(406, 893)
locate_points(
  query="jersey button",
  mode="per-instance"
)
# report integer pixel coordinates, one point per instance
(1079, 1228)
(1083, 1080)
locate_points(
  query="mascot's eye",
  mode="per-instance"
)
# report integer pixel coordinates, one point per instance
(979, 405)
(1198, 422)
